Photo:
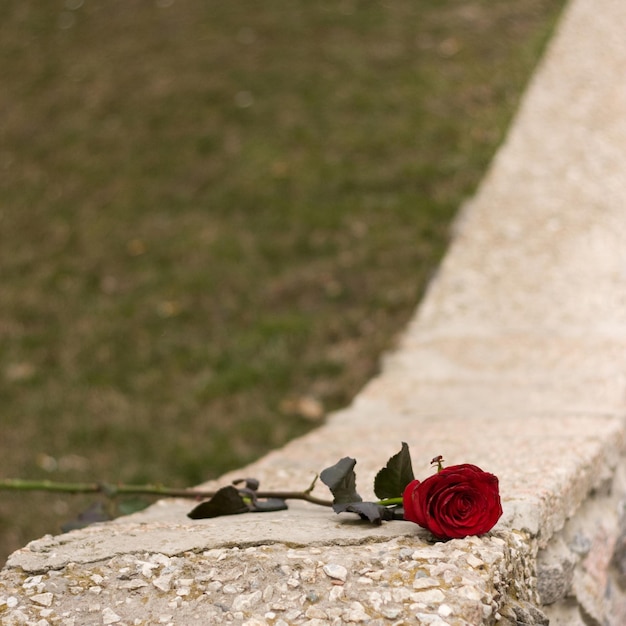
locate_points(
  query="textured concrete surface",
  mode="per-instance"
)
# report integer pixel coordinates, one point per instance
(515, 361)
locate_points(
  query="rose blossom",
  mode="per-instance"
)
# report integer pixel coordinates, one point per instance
(458, 501)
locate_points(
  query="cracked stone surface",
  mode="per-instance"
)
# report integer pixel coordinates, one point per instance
(515, 361)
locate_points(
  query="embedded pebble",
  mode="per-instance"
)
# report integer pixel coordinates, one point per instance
(391, 612)
(425, 583)
(356, 613)
(109, 616)
(245, 602)
(314, 612)
(133, 584)
(146, 568)
(338, 572)
(44, 599)
(163, 582)
(429, 596)
(32, 581)
(336, 593)
(473, 561)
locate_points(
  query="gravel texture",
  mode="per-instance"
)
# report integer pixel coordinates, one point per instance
(461, 582)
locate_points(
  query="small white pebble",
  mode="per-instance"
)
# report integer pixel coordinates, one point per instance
(338, 572)
(161, 559)
(431, 620)
(246, 601)
(335, 594)
(32, 581)
(131, 585)
(293, 615)
(425, 582)
(428, 596)
(314, 612)
(163, 582)
(268, 593)
(391, 612)
(356, 613)
(474, 561)
(110, 617)
(12, 602)
(44, 599)
(445, 610)
(146, 568)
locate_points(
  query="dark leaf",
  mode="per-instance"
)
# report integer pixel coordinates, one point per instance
(341, 480)
(269, 504)
(95, 512)
(226, 501)
(371, 511)
(252, 484)
(395, 476)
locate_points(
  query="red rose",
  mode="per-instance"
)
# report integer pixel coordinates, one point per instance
(458, 501)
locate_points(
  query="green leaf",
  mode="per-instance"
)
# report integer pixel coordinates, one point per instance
(395, 476)
(226, 501)
(341, 480)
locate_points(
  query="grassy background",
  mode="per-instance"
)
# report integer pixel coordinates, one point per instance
(215, 216)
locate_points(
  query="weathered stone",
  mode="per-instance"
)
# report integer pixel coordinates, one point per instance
(555, 570)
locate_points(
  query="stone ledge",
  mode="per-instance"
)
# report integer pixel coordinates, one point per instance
(546, 467)
(401, 580)
(177, 562)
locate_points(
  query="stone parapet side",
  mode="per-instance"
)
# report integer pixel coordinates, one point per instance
(400, 580)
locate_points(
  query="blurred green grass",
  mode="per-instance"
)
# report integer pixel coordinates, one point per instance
(215, 216)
